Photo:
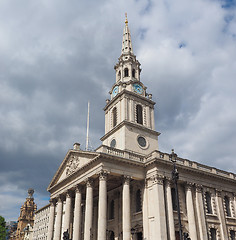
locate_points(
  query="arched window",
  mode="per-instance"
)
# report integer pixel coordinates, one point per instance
(139, 114)
(212, 233)
(227, 206)
(133, 73)
(208, 202)
(111, 210)
(114, 116)
(173, 196)
(126, 71)
(138, 201)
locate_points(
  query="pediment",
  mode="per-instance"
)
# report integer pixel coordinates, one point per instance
(73, 161)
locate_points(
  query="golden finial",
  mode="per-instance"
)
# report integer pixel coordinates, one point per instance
(126, 20)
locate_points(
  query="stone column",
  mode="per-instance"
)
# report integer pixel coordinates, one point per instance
(157, 209)
(88, 210)
(67, 212)
(170, 211)
(58, 218)
(234, 199)
(126, 224)
(145, 212)
(190, 212)
(77, 214)
(51, 219)
(221, 215)
(152, 119)
(200, 213)
(102, 206)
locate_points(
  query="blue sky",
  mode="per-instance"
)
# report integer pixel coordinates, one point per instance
(58, 55)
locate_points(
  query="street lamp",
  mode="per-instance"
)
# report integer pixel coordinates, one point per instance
(175, 178)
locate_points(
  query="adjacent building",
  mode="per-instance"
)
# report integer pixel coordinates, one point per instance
(124, 189)
(26, 218)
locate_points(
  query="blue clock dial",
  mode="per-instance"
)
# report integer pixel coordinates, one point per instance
(138, 88)
(115, 91)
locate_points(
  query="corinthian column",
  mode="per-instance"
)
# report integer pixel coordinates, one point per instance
(67, 212)
(88, 210)
(190, 213)
(58, 219)
(77, 214)
(157, 209)
(51, 219)
(170, 210)
(126, 209)
(200, 213)
(102, 206)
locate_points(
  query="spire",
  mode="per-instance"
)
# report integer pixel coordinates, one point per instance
(126, 43)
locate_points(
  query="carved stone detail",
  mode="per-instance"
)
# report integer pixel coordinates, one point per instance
(189, 186)
(103, 175)
(72, 165)
(157, 179)
(89, 182)
(126, 180)
(199, 188)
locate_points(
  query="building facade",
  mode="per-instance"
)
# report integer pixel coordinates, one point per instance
(124, 189)
(41, 223)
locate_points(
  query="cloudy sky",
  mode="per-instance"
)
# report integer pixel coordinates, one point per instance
(56, 55)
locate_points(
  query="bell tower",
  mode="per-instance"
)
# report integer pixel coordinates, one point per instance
(129, 113)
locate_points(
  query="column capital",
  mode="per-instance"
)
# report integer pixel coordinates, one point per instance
(89, 182)
(189, 186)
(52, 201)
(68, 194)
(218, 192)
(126, 179)
(60, 198)
(78, 189)
(199, 188)
(103, 175)
(157, 179)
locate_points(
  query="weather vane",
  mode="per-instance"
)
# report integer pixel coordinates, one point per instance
(126, 20)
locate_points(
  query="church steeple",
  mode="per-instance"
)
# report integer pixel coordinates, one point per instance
(128, 67)
(126, 43)
(129, 114)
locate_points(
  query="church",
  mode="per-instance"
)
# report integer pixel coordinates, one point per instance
(124, 189)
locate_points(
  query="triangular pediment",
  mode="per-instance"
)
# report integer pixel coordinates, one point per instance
(73, 161)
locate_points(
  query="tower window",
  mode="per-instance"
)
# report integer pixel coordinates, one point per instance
(212, 233)
(227, 206)
(114, 116)
(208, 202)
(139, 114)
(126, 71)
(133, 73)
(138, 201)
(173, 196)
(111, 235)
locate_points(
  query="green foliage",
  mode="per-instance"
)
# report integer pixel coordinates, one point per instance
(3, 230)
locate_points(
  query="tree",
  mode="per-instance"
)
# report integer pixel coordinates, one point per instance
(3, 230)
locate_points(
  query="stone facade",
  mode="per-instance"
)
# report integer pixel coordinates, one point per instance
(124, 189)
(26, 217)
(41, 223)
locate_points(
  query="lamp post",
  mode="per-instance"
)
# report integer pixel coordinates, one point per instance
(175, 178)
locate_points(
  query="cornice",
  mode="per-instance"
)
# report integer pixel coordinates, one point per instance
(131, 124)
(127, 92)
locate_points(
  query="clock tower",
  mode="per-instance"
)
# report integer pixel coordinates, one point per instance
(129, 113)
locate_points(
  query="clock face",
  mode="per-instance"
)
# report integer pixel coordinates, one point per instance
(115, 91)
(138, 88)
